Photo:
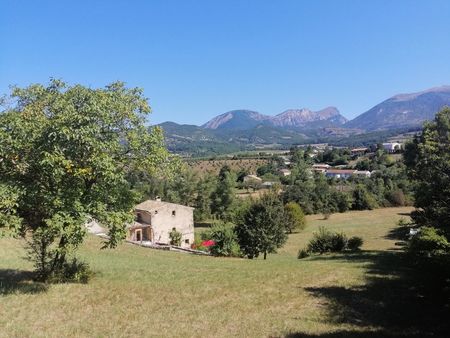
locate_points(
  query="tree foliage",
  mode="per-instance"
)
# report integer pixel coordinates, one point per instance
(225, 240)
(295, 218)
(223, 197)
(65, 155)
(263, 227)
(428, 162)
(362, 199)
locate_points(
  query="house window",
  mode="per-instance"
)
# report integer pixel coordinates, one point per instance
(156, 212)
(139, 217)
(173, 213)
(186, 241)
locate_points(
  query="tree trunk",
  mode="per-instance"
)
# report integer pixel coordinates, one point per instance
(265, 254)
(60, 257)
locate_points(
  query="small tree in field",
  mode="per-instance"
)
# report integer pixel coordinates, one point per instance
(65, 155)
(263, 227)
(295, 218)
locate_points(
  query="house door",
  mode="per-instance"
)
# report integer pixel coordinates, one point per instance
(139, 235)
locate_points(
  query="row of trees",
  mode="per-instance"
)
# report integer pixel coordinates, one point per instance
(213, 197)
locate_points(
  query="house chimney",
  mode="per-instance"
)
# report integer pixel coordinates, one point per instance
(158, 198)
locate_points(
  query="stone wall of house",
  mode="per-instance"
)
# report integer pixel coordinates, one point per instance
(170, 216)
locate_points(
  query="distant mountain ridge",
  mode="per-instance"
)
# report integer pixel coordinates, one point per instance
(291, 118)
(303, 117)
(403, 110)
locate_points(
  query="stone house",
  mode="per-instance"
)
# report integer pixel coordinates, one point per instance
(156, 219)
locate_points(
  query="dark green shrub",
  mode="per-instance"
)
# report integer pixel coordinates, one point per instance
(326, 241)
(225, 239)
(72, 271)
(341, 200)
(397, 198)
(303, 253)
(338, 242)
(321, 241)
(354, 243)
(362, 199)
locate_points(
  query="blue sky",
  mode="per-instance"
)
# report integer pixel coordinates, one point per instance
(196, 59)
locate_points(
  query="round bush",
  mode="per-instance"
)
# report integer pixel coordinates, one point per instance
(354, 243)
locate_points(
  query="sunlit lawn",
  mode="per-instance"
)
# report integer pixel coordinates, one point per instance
(144, 292)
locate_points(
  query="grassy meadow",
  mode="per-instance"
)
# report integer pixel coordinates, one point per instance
(143, 292)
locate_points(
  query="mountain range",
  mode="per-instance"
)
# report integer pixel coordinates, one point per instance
(241, 129)
(291, 118)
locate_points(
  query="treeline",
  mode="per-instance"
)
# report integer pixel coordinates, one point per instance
(214, 196)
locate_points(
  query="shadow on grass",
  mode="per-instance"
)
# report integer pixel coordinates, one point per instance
(398, 233)
(395, 301)
(354, 334)
(19, 281)
(404, 214)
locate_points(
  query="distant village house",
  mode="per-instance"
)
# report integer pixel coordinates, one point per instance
(359, 151)
(284, 172)
(252, 179)
(346, 173)
(320, 167)
(392, 147)
(339, 173)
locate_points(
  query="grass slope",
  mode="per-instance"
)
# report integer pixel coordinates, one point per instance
(143, 292)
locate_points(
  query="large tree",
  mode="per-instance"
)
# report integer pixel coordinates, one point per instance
(428, 162)
(263, 227)
(65, 154)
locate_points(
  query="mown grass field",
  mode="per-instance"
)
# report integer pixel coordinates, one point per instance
(142, 292)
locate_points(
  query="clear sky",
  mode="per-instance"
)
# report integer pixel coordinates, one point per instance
(197, 59)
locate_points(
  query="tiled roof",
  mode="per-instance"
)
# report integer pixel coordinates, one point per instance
(340, 171)
(150, 205)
